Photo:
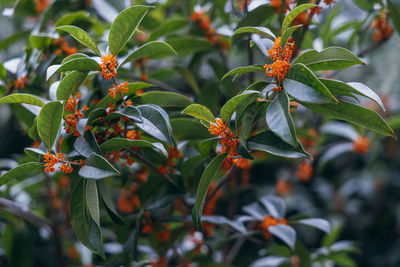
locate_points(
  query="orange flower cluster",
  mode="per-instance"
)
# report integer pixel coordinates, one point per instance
(133, 135)
(163, 235)
(242, 4)
(382, 28)
(173, 154)
(270, 221)
(283, 187)
(148, 227)
(280, 65)
(72, 253)
(63, 182)
(203, 22)
(328, 2)
(304, 171)
(52, 160)
(109, 62)
(71, 120)
(117, 89)
(229, 144)
(361, 145)
(64, 47)
(161, 262)
(128, 199)
(277, 4)
(20, 83)
(41, 5)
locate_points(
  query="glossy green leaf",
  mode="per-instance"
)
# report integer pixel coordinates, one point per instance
(154, 49)
(70, 84)
(200, 112)
(293, 14)
(303, 85)
(129, 111)
(209, 174)
(95, 238)
(168, 26)
(287, 33)
(269, 142)
(156, 123)
(97, 167)
(81, 36)
(188, 129)
(49, 122)
(25, 170)
(78, 217)
(92, 200)
(355, 114)
(318, 223)
(21, 98)
(123, 143)
(124, 26)
(95, 115)
(248, 120)
(3, 72)
(80, 63)
(285, 233)
(331, 58)
(165, 99)
(259, 30)
(394, 13)
(229, 107)
(243, 70)
(108, 202)
(364, 90)
(279, 119)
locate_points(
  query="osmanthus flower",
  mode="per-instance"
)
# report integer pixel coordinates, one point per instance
(304, 171)
(52, 160)
(71, 120)
(382, 28)
(20, 82)
(109, 62)
(353, 142)
(128, 199)
(41, 5)
(118, 89)
(281, 61)
(64, 47)
(242, 4)
(163, 234)
(268, 216)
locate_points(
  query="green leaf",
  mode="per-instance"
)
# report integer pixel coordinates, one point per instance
(154, 49)
(259, 30)
(188, 129)
(3, 72)
(97, 167)
(132, 88)
(80, 63)
(200, 112)
(70, 84)
(95, 239)
(248, 119)
(189, 45)
(229, 107)
(87, 144)
(165, 99)
(364, 90)
(303, 85)
(209, 174)
(124, 26)
(123, 143)
(96, 114)
(169, 26)
(21, 98)
(279, 120)
(318, 223)
(81, 36)
(285, 233)
(286, 34)
(92, 201)
(108, 203)
(243, 70)
(79, 219)
(269, 142)
(49, 122)
(394, 13)
(22, 171)
(156, 123)
(293, 14)
(189, 78)
(129, 111)
(331, 58)
(355, 114)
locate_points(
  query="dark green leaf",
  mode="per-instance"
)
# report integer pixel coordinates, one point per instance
(279, 119)
(22, 171)
(259, 30)
(129, 111)
(200, 112)
(268, 142)
(49, 122)
(303, 85)
(108, 203)
(123, 143)
(80, 63)
(229, 107)
(81, 36)
(124, 26)
(70, 84)
(318, 223)
(243, 70)
(206, 179)
(287, 34)
(97, 167)
(293, 14)
(165, 99)
(189, 45)
(188, 129)
(21, 98)
(394, 13)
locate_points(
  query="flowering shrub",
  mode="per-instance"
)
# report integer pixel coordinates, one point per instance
(145, 153)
